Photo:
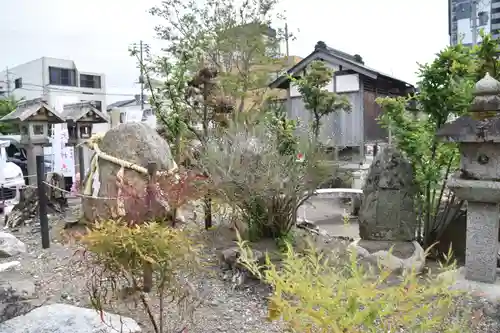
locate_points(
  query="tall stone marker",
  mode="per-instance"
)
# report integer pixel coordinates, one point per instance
(387, 212)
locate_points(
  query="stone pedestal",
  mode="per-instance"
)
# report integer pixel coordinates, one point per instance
(482, 242)
(482, 226)
(478, 136)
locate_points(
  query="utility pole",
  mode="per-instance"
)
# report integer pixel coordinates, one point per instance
(288, 65)
(142, 76)
(474, 21)
(7, 74)
(286, 44)
(143, 47)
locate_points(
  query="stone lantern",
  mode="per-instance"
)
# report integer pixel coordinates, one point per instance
(80, 118)
(478, 182)
(34, 118)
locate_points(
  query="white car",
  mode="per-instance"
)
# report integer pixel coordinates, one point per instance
(11, 180)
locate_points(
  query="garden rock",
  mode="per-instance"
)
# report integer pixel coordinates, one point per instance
(15, 298)
(62, 318)
(387, 210)
(394, 256)
(231, 255)
(10, 245)
(132, 142)
(26, 210)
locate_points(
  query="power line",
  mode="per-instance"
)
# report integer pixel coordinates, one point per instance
(48, 87)
(62, 90)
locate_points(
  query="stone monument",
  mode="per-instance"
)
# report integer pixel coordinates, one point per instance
(478, 135)
(387, 211)
(136, 143)
(387, 218)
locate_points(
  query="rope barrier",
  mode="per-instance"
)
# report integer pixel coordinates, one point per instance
(80, 195)
(93, 143)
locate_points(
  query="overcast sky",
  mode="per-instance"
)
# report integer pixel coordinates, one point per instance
(390, 35)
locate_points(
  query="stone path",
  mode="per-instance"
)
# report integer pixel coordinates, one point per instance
(328, 215)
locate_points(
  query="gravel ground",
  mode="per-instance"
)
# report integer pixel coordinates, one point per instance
(59, 279)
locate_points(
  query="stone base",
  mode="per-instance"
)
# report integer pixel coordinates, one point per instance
(490, 291)
(403, 256)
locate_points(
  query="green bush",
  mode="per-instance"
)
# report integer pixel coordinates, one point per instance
(121, 257)
(249, 172)
(318, 293)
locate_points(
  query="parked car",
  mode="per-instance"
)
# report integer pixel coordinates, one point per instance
(17, 154)
(11, 180)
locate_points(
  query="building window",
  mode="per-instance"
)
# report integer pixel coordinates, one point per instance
(98, 105)
(18, 83)
(90, 81)
(62, 76)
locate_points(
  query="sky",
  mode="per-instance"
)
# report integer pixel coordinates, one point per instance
(392, 36)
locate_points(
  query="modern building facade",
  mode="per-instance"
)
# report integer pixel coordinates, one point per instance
(54, 80)
(460, 21)
(59, 82)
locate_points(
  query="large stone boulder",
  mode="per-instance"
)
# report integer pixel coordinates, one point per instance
(387, 211)
(396, 257)
(63, 318)
(132, 142)
(10, 245)
(16, 297)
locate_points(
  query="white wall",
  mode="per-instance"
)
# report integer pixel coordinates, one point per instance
(35, 75)
(133, 113)
(82, 93)
(345, 83)
(31, 74)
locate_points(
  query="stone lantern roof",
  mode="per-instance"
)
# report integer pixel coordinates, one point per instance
(482, 123)
(33, 110)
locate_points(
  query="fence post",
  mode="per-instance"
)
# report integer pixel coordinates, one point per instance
(42, 201)
(148, 269)
(81, 165)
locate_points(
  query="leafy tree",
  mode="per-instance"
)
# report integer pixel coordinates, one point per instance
(444, 92)
(236, 40)
(318, 100)
(7, 105)
(217, 55)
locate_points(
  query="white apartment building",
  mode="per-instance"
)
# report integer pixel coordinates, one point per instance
(59, 82)
(55, 80)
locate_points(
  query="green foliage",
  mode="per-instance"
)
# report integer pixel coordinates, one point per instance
(7, 106)
(249, 171)
(318, 293)
(317, 99)
(225, 36)
(278, 123)
(444, 92)
(486, 57)
(117, 256)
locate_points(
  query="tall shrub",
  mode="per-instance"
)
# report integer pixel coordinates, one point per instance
(248, 169)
